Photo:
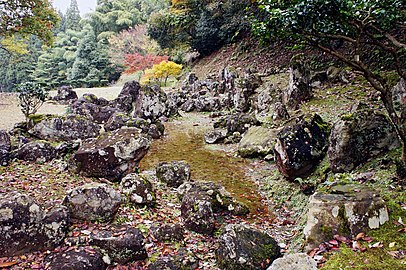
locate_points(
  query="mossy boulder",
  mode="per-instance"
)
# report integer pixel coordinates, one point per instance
(301, 145)
(26, 227)
(182, 260)
(93, 202)
(245, 248)
(65, 95)
(344, 210)
(5, 147)
(257, 142)
(111, 155)
(77, 259)
(173, 173)
(299, 89)
(65, 128)
(122, 244)
(37, 151)
(138, 189)
(358, 136)
(220, 199)
(168, 232)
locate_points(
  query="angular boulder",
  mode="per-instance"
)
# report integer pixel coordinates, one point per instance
(239, 122)
(301, 145)
(257, 142)
(138, 189)
(122, 244)
(111, 155)
(65, 128)
(150, 103)
(79, 258)
(5, 147)
(346, 210)
(299, 89)
(220, 199)
(25, 227)
(65, 95)
(245, 248)
(173, 173)
(93, 202)
(215, 136)
(358, 136)
(197, 213)
(38, 151)
(295, 261)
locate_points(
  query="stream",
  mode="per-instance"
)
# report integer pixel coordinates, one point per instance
(183, 140)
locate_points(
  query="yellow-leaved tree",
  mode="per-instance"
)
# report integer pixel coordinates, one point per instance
(161, 72)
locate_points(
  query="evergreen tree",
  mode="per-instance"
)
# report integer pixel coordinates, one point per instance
(91, 66)
(73, 16)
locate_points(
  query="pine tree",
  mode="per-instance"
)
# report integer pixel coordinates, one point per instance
(73, 16)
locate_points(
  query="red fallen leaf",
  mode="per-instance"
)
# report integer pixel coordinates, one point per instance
(7, 264)
(403, 230)
(312, 252)
(363, 249)
(75, 234)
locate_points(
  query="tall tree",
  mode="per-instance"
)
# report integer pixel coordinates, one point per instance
(34, 17)
(361, 26)
(72, 16)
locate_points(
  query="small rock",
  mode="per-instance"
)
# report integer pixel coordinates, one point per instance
(168, 232)
(39, 151)
(138, 189)
(215, 136)
(173, 174)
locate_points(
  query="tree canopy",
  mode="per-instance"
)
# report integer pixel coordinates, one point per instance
(34, 17)
(360, 33)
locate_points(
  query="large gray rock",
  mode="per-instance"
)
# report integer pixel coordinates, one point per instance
(268, 94)
(299, 89)
(93, 202)
(174, 173)
(239, 122)
(80, 258)
(38, 151)
(301, 145)
(296, 261)
(111, 155)
(122, 244)
(197, 213)
(399, 97)
(220, 199)
(358, 136)
(65, 95)
(64, 128)
(5, 147)
(346, 210)
(25, 227)
(215, 136)
(245, 248)
(151, 103)
(257, 142)
(138, 189)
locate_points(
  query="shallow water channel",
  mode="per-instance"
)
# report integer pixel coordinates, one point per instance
(183, 140)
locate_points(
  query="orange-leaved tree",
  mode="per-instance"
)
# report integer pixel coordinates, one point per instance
(162, 71)
(137, 62)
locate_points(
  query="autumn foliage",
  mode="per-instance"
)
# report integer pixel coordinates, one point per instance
(137, 62)
(161, 72)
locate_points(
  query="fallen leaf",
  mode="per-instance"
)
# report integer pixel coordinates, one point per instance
(391, 245)
(7, 264)
(360, 236)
